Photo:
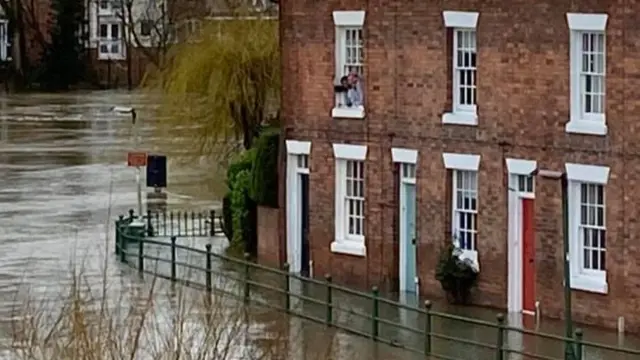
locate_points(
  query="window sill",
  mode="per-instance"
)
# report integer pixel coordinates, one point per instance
(460, 118)
(586, 127)
(594, 284)
(111, 58)
(349, 248)
(348, 113)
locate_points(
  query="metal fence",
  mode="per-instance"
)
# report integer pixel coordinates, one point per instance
(421, 330)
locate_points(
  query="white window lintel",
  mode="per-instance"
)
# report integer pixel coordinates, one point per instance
(587, 173)
(402, 155)
(296, 147)
(350, 152)
(521, 167)
(460, 19)
(587, 22)
(348, 18)
(461, 161)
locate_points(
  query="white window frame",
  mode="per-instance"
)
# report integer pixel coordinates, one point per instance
(580, 123)
(344, 243)
(121, 55)
(463, 162)
(577, 174)
(345, 20)
(4, 40)
(460, 114)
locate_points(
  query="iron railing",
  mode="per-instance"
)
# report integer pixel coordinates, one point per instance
(421, 330)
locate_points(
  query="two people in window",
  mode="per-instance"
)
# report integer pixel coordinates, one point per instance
(349, 92)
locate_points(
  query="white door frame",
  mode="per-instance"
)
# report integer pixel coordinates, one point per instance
(404, 156)
(294, 205)
(515, 168)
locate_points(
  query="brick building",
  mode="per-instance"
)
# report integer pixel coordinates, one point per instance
(463, 100)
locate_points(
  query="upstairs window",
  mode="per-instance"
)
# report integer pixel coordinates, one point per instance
(349, 51)
(461, 29)
(464, 60)
(587, 53)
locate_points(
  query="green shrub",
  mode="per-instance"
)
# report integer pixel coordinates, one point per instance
(227, 216)
(244, 161)
(264, 170)
(457, 277)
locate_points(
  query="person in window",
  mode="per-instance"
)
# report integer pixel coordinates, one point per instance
(354, 92)
(342, 92)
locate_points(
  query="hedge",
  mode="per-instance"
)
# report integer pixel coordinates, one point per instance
(237, 206)
(264, 170)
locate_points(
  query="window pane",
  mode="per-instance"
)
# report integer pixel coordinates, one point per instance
(592, 227)
(465, 209)
(104, 30)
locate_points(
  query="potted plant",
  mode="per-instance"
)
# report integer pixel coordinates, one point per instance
(457, 276)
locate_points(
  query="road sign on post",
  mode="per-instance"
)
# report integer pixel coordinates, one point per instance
(137, 159)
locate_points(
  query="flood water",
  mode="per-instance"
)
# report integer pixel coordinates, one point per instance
(64, 179)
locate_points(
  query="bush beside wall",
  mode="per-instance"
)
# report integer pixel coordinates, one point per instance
(264, 170)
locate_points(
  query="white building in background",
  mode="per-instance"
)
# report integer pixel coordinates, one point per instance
(111, 26)
(5, 48)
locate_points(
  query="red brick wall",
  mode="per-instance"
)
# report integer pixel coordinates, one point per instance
(268, 236)
(523, 105)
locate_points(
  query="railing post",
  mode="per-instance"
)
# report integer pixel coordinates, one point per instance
(186, 223)
(500, 337)
(578, 344)
(208, 266)
(149, 225)
(173, 258)
(427, 327)
(123, 245)
(212, 224)
(376, 313)
(287, 287)
(329, 315)
(171, 223)
(247, 278)
(140, 254)
(118, 242)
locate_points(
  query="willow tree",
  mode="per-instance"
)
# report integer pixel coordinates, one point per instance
(220, 89)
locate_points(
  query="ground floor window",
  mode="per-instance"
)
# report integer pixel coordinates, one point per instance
(586, 193)
(465, 209)
(110, 41)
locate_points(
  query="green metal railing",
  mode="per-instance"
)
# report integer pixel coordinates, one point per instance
(421, 330)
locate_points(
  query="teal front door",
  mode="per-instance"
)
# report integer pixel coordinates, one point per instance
(408, 240)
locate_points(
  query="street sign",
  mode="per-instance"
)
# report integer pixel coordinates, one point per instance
(137, 159)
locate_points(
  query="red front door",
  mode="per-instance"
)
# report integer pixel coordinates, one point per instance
(528, 256)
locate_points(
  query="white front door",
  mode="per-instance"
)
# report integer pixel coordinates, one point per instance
(407, 250)
(297, 169)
